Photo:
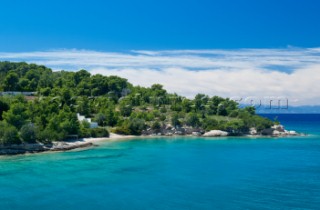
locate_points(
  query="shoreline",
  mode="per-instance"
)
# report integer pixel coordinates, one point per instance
(29, 148)
(91, 142)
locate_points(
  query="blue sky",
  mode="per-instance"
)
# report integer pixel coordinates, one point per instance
(249, 48)
(167, 24)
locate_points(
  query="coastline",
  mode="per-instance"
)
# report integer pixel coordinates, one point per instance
(91, 142)
(59, 146)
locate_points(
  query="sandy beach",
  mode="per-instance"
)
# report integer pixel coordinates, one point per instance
(112, 137)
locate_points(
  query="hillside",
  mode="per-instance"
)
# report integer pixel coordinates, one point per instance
(111, 101)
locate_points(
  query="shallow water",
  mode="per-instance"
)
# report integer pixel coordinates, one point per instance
(172, 173)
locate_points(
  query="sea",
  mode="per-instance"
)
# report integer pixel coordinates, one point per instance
(173, 173)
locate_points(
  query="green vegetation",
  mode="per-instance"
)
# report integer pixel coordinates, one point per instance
(111, 101)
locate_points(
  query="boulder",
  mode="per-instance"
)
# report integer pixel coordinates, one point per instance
(293, 133)
(279, 128)
(196, 133)
(276, 133)
(215, 133)
(179, 133)
(168, 127)
(253, 131)
(267, 131)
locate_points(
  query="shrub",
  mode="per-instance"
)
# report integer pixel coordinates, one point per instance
(28, 133)
(49, 135)
(99, 132)
(156, 125)
(121, 130)
(210, 124)
(9, 135)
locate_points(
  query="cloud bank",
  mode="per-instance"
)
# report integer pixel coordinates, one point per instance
(292, 73)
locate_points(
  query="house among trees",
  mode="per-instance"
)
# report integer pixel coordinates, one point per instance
(82, 118)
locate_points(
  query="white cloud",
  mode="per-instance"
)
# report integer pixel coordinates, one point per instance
(293, 72)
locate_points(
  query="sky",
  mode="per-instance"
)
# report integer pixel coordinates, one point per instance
(245, 48)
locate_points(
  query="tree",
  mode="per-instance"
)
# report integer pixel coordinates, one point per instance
(250, 109)
(175, 120)
(156, 125)
(234, 126)
(125, 108)
(136, 126)
(81, 75)
(200, 101)
(83, 106)
(4, 106)
(222, 110)
(99, 132)
(193, 120)
(24, 84)
(111, 117)
(8, 134)
(16, 115)
(210, 124)
(28, 133)
(100, 118)
(186, 105)
(11, 81)
(131, 127)
(49, 135)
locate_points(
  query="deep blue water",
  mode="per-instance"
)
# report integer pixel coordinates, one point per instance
(172, 173)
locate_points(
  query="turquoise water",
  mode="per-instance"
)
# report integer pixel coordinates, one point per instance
(172, 173)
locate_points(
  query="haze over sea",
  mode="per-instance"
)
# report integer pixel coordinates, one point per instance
(172, 173)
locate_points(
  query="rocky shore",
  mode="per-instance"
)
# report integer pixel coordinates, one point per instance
(274, 131)
(39, 147)
(16, 149)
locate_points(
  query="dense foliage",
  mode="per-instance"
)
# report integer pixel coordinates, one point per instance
(109, 100)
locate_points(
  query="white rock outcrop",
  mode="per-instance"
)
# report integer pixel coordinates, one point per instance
(293, 133)
(279, 128)
(215, 133)
(276, 133)
(253, 131)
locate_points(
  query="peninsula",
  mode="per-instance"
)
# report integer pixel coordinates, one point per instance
(43, 110)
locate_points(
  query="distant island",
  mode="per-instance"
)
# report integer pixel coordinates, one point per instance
(40, 107)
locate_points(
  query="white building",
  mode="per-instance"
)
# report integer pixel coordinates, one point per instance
(82, 118)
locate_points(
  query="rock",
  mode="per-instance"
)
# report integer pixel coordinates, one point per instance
(178, 133)
(267, 131)
(293, 133)
(196, 133)
(276, 133)
(279, 128)
(214, 133)
(253, 131)
(168, 127)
